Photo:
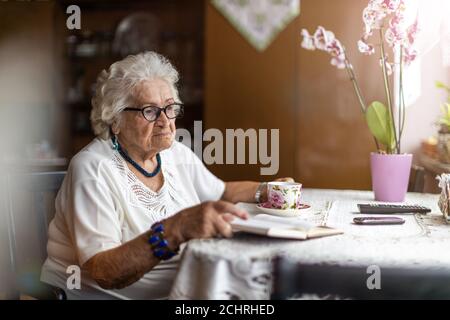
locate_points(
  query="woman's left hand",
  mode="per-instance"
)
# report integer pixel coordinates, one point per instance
(288, 179)
(244, 191)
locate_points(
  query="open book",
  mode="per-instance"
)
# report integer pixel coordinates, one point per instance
(278, 227)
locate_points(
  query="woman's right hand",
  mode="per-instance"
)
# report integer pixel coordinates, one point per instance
(206, 220)
(121, 266)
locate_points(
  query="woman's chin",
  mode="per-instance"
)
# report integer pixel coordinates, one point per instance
(162, 142)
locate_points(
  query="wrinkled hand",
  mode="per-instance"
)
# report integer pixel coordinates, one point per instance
(264, 192)
(206, 220)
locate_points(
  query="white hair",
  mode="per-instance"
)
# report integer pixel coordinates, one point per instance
(114, 89)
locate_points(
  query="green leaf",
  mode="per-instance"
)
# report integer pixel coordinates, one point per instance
(442, 85)
(445, 119)
(380, 124)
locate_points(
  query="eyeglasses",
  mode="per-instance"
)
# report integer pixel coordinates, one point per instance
(151, 113)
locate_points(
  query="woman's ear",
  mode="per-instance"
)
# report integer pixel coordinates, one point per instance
(115, 128)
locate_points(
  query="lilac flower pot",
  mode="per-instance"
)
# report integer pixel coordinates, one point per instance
(390, 176)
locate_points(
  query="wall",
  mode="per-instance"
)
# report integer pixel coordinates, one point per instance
(333, 141)
(29, 75)
(247, 89)
(325, 140)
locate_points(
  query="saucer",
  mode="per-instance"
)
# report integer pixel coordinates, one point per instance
(284, 212)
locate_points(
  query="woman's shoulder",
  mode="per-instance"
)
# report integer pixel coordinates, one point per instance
(88, 160)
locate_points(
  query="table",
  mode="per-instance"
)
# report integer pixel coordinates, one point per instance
(240, 268)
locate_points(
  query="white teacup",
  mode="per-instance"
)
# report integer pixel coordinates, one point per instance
(284, 195)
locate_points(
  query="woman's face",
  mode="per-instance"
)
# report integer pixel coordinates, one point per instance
(138, 134)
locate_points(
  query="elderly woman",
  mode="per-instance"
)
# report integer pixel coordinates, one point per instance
(134, 195)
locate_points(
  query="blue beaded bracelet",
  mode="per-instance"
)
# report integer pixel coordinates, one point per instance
(160, 246)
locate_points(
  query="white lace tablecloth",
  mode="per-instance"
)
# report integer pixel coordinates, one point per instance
(240, 268)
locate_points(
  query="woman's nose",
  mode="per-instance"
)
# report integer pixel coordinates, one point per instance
(162, 119)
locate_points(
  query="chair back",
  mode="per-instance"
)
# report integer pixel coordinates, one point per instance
(30, 208)
(417, 179)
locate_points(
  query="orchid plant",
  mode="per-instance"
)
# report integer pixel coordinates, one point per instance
(387, 19)
(444, 121)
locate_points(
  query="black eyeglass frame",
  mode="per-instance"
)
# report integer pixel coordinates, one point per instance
(159, 110)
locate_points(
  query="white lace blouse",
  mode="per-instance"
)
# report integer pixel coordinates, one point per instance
(102, 204)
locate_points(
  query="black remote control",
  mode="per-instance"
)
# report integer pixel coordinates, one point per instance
(391, 208)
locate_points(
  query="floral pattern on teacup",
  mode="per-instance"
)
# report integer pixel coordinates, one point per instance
(284, 197)
(299, 203)
(276, 199)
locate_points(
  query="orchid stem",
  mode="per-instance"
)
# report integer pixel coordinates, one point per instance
(401, 107)
(362, 104)
(388, 92)
(352, 76)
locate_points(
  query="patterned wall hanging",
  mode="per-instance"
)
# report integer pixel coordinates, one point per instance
(259, 21)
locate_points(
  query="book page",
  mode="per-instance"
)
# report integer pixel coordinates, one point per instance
(288, 223)
(280, 227)
(265, 222)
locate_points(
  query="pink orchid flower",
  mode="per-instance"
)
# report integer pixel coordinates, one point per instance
(409, 55)
(334, 47)
(377, 10)
(339, 62)
(308, 40)
(385, 6)
(390, 5)
(373, 19)
(322, 38)
(412, 32)
(365, 47)
(396, 33)
(336, 50)
(325, 40)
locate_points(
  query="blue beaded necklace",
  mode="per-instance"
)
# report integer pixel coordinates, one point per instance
(124, 154)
